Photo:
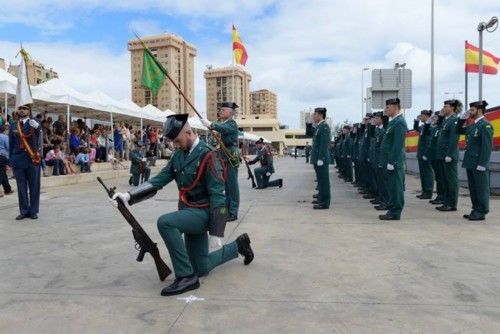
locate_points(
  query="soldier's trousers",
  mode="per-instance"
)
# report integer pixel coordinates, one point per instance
(356, 170)
(381, 177)
(479, 189)
(450, 182)
(438, 175)
(348, 169)
(136, 176)
(262, 179)
(426, 176)
(395, 188)
(232, 190)
(191, 254)
(323, 177)
(373, 182)
(28, 188)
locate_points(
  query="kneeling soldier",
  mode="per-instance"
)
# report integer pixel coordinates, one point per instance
(263, 173)
(197, 170)
(138, 166)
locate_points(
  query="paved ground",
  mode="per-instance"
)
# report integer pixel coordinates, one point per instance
(335, 271)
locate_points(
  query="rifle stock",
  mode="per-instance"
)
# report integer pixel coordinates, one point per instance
(144, 242)
(250, 174)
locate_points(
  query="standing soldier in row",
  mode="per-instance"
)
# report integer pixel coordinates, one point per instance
(380, 175)
(479, 140)
(424, 165)
(447, 154)
(355, 153)
(228, 130)
(347, 143)
(393, 157)
(430, 155)
(320, 158)
(308, 151)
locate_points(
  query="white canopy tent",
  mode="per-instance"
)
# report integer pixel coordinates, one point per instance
(8, 84)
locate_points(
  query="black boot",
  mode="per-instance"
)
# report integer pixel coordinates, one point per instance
(181, 285)
(243, 242)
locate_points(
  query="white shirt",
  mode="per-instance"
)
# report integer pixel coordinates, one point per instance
(24, 120)
(196, 142)
(478, 119)
(400, 113)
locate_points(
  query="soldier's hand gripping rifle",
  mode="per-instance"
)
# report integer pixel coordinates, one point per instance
(144, 244)
(250, 174)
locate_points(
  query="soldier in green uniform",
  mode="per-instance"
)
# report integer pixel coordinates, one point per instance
(320, 158)
(347, 153)
(424, 165)
(363, 156)
(228, 130)
(138, 164)
(308, 151)
(263, 173)
(447, 154)
(355, 149)
(479, 141)
(430, 155)
(372, 182)
(393, 158)
(198, 172)
(382, 195)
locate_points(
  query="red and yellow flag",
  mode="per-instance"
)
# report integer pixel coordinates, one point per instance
(490, 62)
(240, 53)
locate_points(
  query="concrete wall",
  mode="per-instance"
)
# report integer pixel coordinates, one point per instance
(412, 168)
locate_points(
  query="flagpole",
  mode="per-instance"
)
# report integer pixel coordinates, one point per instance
(466, 83)
(432, 55)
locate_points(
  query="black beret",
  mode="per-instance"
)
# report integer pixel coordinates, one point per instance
(479, 104)
(369, 115)
(426, 112)
(378, 114)
(392, 101)
(231, 105)
(174, 124)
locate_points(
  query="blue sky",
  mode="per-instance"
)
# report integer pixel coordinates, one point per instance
(309, 52)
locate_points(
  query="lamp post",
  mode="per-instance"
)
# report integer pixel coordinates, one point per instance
(453, 94)
(432, 54)
(363, 89)
(490, 27)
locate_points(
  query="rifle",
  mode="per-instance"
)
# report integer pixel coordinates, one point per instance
(250, 174)
(144, 244)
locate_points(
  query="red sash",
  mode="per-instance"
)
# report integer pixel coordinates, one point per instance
(34, 155)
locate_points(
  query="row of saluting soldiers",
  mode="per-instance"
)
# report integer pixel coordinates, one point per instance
(371, 156)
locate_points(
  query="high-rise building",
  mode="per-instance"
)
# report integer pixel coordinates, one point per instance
(264, 104)
(177, 56)
(225, 84)
(37, 73)
(306, 117)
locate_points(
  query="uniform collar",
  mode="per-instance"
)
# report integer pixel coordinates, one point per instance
(24, 120)
(400, 113)
(196, 142)
(478, 119)
(321, 121)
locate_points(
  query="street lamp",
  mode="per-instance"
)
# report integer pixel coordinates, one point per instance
(491, 26)
(453, 93)
(363, 90)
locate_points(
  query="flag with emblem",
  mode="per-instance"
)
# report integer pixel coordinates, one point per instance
(152, 73)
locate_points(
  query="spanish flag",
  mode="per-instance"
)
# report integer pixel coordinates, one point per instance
(240, 53)
(490, 62)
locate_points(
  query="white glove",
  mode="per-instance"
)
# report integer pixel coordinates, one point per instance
(428, 121)
(424, 158)
(390, 167)
(125, 197)
(319, 163)
(268, 174)
(33, 123)
(480, 168)
(206, 122)
(143, 159)
(465, 114)
(447, 159)
(368, 159)
(214, 242)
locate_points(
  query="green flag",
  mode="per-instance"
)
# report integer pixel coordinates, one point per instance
(152, 75)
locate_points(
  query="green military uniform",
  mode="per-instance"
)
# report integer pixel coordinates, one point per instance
(265, 157)
(363, 158)
(347, 144)
(424, 165)
(355, 152)
(321, 142)
(308, 153)
(393, 153)
(447, 146)
(229, 135)
(380, 175)
(479, 140)
(371, 165)
(136, 157)
(430, 154)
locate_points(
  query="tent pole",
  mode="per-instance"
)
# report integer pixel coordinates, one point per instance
(67, 123)
(6, 105)
(112, 134)
(142, 135)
